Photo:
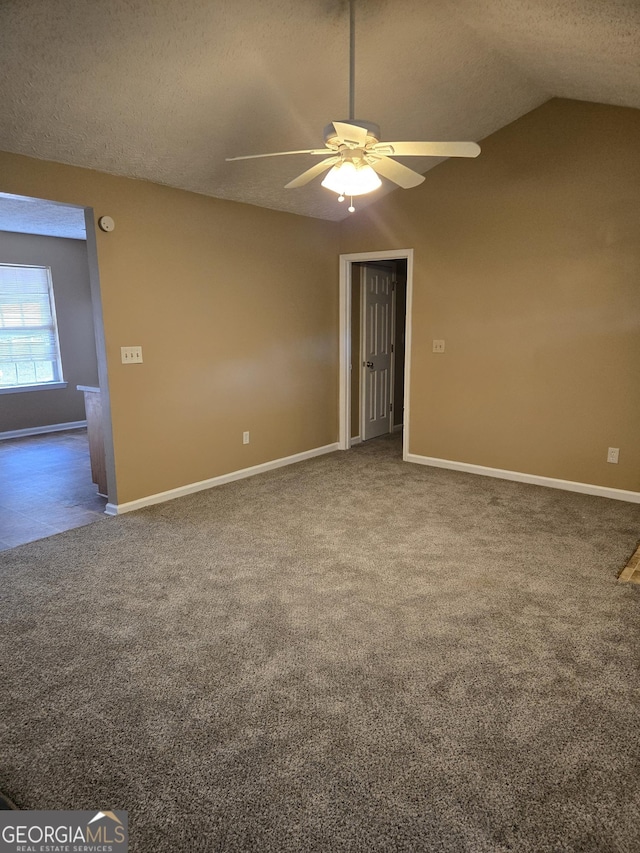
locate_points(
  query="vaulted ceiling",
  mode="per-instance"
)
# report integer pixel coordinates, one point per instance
(164, 90)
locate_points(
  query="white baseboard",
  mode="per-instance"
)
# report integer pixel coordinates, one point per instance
(398, 427)
(181, 491)
(41, 430)
(533, 479)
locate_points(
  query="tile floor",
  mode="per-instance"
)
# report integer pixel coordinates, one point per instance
(45, 487)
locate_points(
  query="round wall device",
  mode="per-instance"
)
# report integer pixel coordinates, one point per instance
(106, 223)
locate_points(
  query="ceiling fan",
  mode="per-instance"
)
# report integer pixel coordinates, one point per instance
(357, 156)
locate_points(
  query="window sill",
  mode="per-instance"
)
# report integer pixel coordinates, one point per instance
(45, 386)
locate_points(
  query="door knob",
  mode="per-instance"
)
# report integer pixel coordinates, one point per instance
(370, 364)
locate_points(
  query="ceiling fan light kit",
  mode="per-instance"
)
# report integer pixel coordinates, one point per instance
(351, 178)
(358, 157)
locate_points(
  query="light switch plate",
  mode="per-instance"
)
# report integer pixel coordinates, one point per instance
(131, 355)
(438, 346)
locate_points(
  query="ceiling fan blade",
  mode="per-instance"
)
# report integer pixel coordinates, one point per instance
(280, 154)
(396, 172)
(351, 134)
(311, 173)
(428, 149)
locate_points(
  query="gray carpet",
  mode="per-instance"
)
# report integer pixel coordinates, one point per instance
(350, 654)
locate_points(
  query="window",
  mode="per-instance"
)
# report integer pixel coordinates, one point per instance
(29, 348)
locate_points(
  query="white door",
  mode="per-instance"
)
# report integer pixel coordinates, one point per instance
(376, 350)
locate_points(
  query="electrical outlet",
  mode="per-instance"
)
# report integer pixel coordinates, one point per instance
(438, 346)
(131, 355)
(612, 455)
(245, 437)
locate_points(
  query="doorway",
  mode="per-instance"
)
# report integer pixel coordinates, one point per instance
(52, 346)
(375, 328)
(378, 301)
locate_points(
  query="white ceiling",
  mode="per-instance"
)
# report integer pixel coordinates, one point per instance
(38, 216)
(166, 89)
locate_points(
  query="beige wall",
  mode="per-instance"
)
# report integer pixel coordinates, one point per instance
(527, 263)
(235, 308)
(70, 276)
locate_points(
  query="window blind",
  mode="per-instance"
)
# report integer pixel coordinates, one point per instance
(29, 349)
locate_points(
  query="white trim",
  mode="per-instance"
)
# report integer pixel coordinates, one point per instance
(344, 355)
(54, 351)
(362, 333)
(398, 427)
(533, 479)
(394, 308)
(40, 430)
(101, 351)
(344, 374)
(190, 488)
(407, 357)
(41, 386)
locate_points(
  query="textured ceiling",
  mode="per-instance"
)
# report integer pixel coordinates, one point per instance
(37, 216)
(166, 89)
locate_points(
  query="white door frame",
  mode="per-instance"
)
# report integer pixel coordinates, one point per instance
(344, 362)
(101, 353)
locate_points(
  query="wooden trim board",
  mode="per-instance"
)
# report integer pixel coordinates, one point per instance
(631, 572)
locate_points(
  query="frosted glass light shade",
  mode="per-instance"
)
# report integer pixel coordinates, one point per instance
(348, 179)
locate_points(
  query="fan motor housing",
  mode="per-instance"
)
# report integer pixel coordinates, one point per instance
(373, 131)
